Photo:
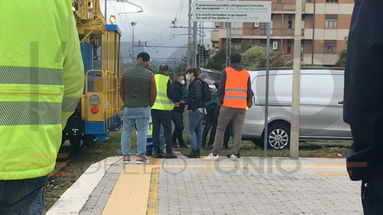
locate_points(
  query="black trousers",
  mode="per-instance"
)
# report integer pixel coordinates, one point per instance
(177, 118)
(164, 118)
(365, 162)
(372, 193)
(209, 121)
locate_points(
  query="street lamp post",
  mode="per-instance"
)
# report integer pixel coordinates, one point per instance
(133, 24)
(106, 9)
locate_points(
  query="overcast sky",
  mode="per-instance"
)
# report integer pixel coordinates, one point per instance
(153, 25)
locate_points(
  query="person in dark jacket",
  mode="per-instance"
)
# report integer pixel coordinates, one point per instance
(177, 113)
(363, 101)
(196, 111)
(209, 117)
(228, 131)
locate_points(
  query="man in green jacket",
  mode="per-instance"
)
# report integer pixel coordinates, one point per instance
(138, 89)
(41, 80)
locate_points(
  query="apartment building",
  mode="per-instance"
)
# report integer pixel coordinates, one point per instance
(325, 27)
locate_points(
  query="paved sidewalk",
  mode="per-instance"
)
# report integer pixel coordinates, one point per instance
(280, 186)
(248, 186)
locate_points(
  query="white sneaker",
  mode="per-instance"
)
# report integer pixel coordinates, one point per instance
(233, 157)
(212, 157)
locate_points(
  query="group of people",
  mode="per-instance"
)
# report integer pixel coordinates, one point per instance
(41, 88)
(157, 99)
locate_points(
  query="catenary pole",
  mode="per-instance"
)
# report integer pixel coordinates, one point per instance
(189, 52)
(295, 109)
(266, 136)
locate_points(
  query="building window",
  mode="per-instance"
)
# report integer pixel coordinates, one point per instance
(331, 1)
(289, 47)
(330, 46)
(237, 28)
(263, 27)
(279, 1)
(331, 21)
(290, 21)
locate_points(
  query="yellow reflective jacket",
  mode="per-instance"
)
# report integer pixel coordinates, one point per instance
(41, 80)
(162, 100)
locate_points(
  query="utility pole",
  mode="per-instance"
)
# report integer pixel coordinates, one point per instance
(195, 44)
(189, 52)
(133, 24)
(203, 44)
(313, 45)
(200, 46)
(228, 43)
(295, 107)
(106, 10)
(266, 133)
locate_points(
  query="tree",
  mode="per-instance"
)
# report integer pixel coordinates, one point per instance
(245, 45)
(204, 53)
(342, 58)
(342, 55)
(217, 61)
(180, 69)
(255, 58)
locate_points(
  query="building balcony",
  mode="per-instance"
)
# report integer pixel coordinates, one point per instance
(289, 8)
(325, 34)
(214, 35)
(321, 59)
(259, 33)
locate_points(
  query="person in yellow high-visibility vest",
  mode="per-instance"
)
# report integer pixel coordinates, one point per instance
(162, 113)
(41, 81)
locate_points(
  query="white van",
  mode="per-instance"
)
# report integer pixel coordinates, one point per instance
(321, 110)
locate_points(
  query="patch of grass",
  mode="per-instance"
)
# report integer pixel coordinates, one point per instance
(327, 149)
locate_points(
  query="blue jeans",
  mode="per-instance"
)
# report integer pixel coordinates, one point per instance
(139, 117)
(194, 129)
(22, 196)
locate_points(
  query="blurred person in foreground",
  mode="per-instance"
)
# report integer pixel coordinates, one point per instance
(363, 102)
(41, 81)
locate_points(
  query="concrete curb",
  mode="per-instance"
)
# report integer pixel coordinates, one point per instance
(74, 199)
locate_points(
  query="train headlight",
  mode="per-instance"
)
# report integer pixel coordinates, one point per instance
(94, 100)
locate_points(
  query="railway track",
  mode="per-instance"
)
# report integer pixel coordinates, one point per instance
(63, 160)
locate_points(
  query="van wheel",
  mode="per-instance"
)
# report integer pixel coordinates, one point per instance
(279, 135)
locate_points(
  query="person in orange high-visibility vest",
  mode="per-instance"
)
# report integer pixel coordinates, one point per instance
(235, 96)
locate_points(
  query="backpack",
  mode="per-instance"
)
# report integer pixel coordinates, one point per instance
(206, 94)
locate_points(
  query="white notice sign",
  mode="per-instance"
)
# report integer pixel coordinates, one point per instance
(232, 11)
